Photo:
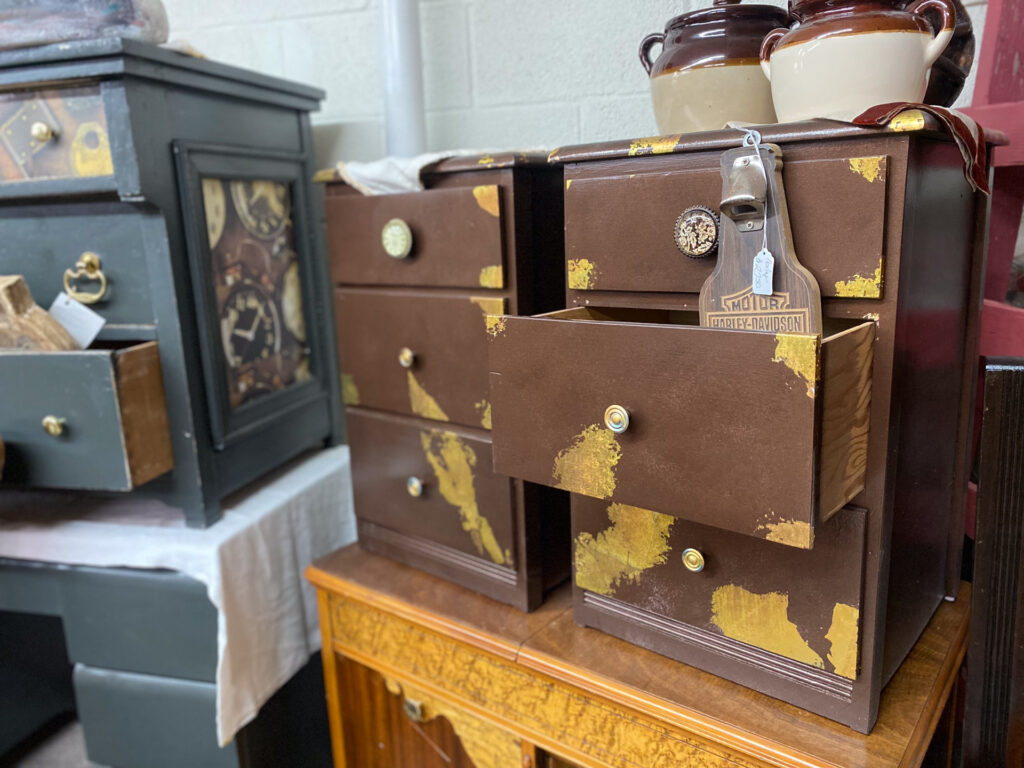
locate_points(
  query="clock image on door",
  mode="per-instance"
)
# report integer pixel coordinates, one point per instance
(257, 285)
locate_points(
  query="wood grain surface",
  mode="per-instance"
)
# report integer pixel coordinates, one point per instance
(140, 393)
(26, 325)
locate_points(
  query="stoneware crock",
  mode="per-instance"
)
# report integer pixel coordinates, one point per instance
(708, 71)
(843, 56)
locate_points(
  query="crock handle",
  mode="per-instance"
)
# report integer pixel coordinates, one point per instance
(655, 38)
(947, 11)
(768, 45)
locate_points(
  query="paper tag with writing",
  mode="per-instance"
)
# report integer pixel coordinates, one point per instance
(764, 269)
(81, 322)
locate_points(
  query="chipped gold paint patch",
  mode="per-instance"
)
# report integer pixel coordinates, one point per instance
(487, 198)
(453, 463)
(349, 390)
(492, 277)
(422, 403)
(858, 287)
(761, 621)
(868, 167)
(799, 353)
(636, 541)
(485, 160)
(568, 183)
(588, 465)
(871, 316)
(843, 637)
(794, 533)
(489, 304)
(581, 274)
(654, 145)
(910, 120)
(495, 325)
(484, 409)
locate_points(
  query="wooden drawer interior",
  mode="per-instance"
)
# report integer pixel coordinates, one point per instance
(756, 433)
(110, 407)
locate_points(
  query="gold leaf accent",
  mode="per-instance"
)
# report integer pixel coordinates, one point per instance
(858, 287)
(422, 403)
(871, 316)
(581, 274)
(654, 145)
(761, 621)
(484, 409)
(495, 325)
(588, 465)
(795, 533)
(492, 277)
(487, 198)
(489, 304)
(636, 541)
(485, 160)
(799, 353)
(909, 120)
(868, 167)
(453, 462)
(349, 390)
(843, 635)
(568, 183)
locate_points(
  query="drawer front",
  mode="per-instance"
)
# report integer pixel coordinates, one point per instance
(724, 427)
(76, 144)
(620, 231)
(801, 605)
(45, 244)
(456, 238)
(110, 412)
(447, 378)
(462, 506)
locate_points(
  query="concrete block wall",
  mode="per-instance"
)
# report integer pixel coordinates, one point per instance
(497, 73)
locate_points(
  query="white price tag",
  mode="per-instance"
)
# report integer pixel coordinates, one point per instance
(81, 322)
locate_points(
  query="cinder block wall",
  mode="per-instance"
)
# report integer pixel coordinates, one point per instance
(496, 73)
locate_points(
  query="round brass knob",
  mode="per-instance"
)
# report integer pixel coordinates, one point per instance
(54, 425)
(616, 418)
(406, 357)
(396, 237)
(696, 232)
(41, 132)
(693, 560)
(414, 486)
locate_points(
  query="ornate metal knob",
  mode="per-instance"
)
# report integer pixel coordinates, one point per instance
(406, 357)
(693, 560)
(616, 418)
(54, 425)
(396, 237)
(88, 267)
(696, 232)
(414, 486)
(42, 132)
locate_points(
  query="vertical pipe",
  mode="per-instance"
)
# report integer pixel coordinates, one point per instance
(403, 78)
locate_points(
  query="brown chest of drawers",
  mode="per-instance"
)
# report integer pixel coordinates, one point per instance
(781, 510)
(417, 275)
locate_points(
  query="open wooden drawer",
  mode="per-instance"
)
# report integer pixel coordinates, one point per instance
(92, 419)
(756, 433)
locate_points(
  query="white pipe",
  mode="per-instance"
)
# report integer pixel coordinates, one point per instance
(403, 78)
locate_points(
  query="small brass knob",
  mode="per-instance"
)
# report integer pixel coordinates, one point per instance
(396, 237)
(616, 418)
(414, 486)
(42, 132)
(693, 560)
(406, 357)
(54, 425)
(696, 232)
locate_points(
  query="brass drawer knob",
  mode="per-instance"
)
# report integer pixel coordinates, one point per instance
(42, 132)
(414, 486)
(616, 418)
(693, 560)
(54, 425)
(396, 237)
(696, 232)
(88, 267)
(406, 357)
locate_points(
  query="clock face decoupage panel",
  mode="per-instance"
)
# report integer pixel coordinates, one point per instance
(258, 287)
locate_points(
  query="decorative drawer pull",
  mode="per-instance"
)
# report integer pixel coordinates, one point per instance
(54, 425)
(413, 710)
(88, 267)
(696, 232)
(42, 132)
(693, 560)
(406, 357)
(414, 486)
(396, 237)
(616, 418)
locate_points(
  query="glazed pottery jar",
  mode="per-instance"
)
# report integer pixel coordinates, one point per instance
(844, 56)
(708, 73)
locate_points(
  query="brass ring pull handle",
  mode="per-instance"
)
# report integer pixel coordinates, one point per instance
(414, 486)
(54, 425)
(42, 132)
(88, 267)
(693, 560)
(396, 237)
(616, 418)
